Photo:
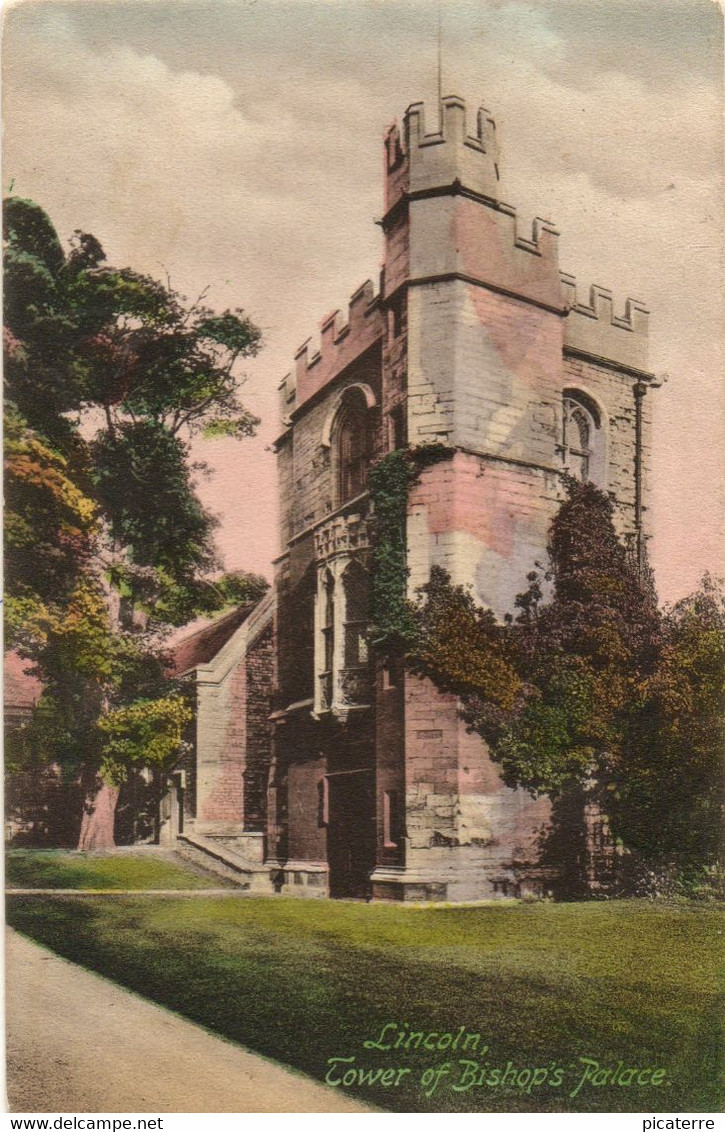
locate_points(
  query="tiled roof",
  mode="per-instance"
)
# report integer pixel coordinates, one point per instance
(204, 644)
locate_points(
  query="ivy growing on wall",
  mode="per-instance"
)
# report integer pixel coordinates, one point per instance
(587, 688)
(395, 624)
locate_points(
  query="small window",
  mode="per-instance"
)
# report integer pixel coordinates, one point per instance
(328, 622)
(391, 675)
(392, 819)
(328, 642)
(323, 802)
(396, 427)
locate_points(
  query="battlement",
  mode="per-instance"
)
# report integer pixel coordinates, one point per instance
(595, 329)
(340, 343)
(416, 160)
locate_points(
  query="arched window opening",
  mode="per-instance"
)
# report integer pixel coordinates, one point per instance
(356, 616)
(577, 437)
(328, 639)
(583, 439)
(353, 451)
(355, 676)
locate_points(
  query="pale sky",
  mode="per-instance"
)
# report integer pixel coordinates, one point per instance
(236, 144)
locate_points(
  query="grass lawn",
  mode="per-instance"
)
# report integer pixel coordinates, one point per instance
(57, 868)
(544, 985)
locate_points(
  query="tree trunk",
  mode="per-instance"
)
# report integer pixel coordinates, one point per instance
(99, 813)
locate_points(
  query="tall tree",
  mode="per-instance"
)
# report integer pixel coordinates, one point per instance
(109, 373)
(665, 779)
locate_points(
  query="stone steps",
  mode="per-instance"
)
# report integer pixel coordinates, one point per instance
(219, 857)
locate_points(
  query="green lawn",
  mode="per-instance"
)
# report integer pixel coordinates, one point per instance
(544, 985)
(57, 868)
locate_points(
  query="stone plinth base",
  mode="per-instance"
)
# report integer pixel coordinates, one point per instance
(299, 878)
(401, 885)
(463, 876)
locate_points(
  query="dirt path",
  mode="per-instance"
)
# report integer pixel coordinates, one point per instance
(78, 1043)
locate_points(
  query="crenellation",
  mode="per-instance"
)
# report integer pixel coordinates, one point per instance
(287, 389)
(595, 329)
(543, 237)
(478, 341)
(451, 154)
(340, 343)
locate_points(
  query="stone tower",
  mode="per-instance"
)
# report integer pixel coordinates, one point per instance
(477, 341)
(502, 364)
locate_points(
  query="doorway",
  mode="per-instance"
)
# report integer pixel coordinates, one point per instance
(351, 832)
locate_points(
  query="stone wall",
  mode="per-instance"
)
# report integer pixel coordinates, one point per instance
(306, 469)
(613, 390)
(232, 741)
(221, 738)
(258, 706)
(465, 828)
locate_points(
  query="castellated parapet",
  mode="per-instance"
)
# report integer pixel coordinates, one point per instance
(450, 181)
(595, 330)
(448, 155)
(340, 343)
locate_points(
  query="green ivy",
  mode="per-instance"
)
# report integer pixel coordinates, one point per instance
(395, 626)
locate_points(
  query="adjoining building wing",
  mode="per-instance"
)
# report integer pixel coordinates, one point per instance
(221, 792)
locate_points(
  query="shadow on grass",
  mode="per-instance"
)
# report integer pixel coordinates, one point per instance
(303, 996)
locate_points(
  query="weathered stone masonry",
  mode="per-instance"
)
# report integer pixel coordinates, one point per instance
(477, 341)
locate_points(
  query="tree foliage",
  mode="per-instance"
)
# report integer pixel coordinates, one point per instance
(51, 528)
(108, 373)
(142, 462)
(84, 338)
(665, 779)
(583, 654)
(463, 650)
(389, 483)
(237, 587)
(590, 689)
(146, 731)
(94, 335)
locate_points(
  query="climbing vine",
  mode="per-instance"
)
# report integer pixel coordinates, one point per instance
(395, 623)
(463, 649)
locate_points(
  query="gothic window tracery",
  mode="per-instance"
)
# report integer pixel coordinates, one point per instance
(583, 438)
(342, 611)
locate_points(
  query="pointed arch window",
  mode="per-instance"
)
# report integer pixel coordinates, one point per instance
(583, 440)
(355, 676)
(577, 439)
(353, 450)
